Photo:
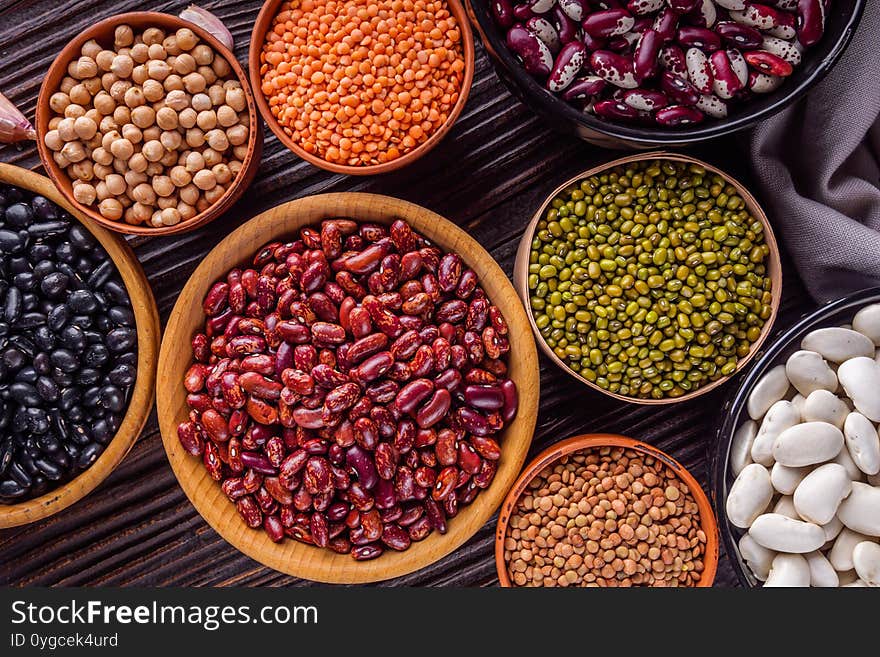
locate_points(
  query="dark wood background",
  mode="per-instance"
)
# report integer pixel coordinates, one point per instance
(488, 175)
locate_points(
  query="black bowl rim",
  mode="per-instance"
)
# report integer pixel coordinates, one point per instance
(645, 136)
(733, 407)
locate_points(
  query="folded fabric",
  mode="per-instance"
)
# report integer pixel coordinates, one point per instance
(817, 167)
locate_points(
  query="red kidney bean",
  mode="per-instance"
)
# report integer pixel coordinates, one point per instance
(395, 538)
(446, 447)
(190, 438)
(361, 465)
(405, 346)
(728, 82)
(690, 36)
(435, 409)
(341, 397)
(533, 52)
(678, 89)
(249, 511)
(366, 552)
(468, 460)
(371, 523)
(384, 495)
(420, 528)
(382, 392)
(405, 437)
(811, 21)
(466, 284)
(445, 483)
(768, 63)
(607, 23)
(412, 394)
(366, 433)
(216, 299)
(404, 484)
(278, 490)
(484, 397)
(739, 35)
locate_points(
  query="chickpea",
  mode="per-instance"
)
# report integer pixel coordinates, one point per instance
(203, 204)
(102, 171)
(194, 83)
(177, 100)
(208, 73)
(172, 141)
(157, 51)
(84, 128)
(119, 89)
(140, 53)
(156, 219)
(207, 120)
(122, 66)
(212, 157)
(237, 135)
(166, 118)
(138, 163)
(122, 115)
(205, 180)
(221, 67)
(104, 103)
(153, 91)
(222, 173)
(173, 83)
(187, 118)
(144, 193)
(110, 208)
(54, 121)
(107, 81)
(120, 166)
(93, 143)
(180, 176)
(186, 38)
(153, 35)
(133, 178)
(132, 133)
(215, 194)
(143, 117)
(140, 74)
(94, 115)
(240, 152)
(186, 211)
(60, 160)
(153, 151)
(84, 193)
(104, 60)
(163, 186)
(80, 95)
(201, 102)
(195, 162)
(82, 170)
(74, 151)
(184, 64)
(74, 111)
(158, 69)
(170, 158)
(67, 83)
(115, 184)
(123, 36)
(91, 48)
(170, 216)
(152, 133)
(122, 149)
(141, 212)
(217, 140)
(59, 101)
(226, 116)
(86, 68)
(195, 137)
(189, 194)
(92, 85)
(66, 130)
(134, 97)
(170, 45)
(203, 54)
(102, 156)
(53, 140)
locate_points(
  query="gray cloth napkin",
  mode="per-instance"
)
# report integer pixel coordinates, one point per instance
(817, 166)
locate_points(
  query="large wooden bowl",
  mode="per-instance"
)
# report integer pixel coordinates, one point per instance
(593, 441)
(774, 270)
(258, 38)
(186, 319)
(102, 32)
(147, 321)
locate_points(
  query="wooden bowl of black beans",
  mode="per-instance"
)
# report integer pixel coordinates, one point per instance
(79, 339)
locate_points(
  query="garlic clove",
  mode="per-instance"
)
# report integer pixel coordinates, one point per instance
(208, 22)
(14, 126)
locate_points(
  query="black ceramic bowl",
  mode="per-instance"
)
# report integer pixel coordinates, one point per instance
(835, 313)
(841, 22)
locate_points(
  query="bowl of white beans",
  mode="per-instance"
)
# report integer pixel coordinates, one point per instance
(797, 467)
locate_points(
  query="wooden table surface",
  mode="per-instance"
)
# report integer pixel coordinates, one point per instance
(488, 175)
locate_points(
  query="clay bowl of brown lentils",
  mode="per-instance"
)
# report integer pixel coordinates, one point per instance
(601, 510)
(79, 341)
(147, 125)
(652, 279)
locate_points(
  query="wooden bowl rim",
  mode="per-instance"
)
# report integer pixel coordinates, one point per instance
(292, 557)
(586, 441)
(774, 269)
(64, 183)
(258, 37)
(139, 407)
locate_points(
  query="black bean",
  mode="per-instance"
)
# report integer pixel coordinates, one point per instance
(47, 389)
(83, 321)
(19, 265)
(25, 394)
(11, 489)
(69, 398)
(13, 358)
(7, 451)
(40, 251)
(128, 358)
(88, 376)
(122, 375)
(19, 215)
(81, 434)
(81, 238)
(38, 421)
(63, 379)
(121, 315)
(31, 320)
(47, 229)
(12, 305)
(49, 444)
(117, 292)
(4, 329)
(102, 431)
(100, 275)
(43, 268)
(73, 337)
(76, 414)
(91, 397)
(65, 252)
(54, 284)
(121, 339)
(44, 337)
(17, 472)
(96, 355)
(112, 398)
(58, 318)
(61, 458)
(89, 455)
(64, 360)
(82, 302)
(25, 281)
(94, 337)
(44, 209)
(10, 241)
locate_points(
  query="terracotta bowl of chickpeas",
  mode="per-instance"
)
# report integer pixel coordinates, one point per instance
(608, 511)
(146, 123)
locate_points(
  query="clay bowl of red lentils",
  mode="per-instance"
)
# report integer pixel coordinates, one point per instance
(357, 87)
(602, 510)
(145, 135)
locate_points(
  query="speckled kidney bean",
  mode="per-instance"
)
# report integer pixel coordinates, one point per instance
(333, 415)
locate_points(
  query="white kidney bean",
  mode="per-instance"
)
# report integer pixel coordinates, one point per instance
(861, 510)
(785, 479)
(783, 534)
(822, 573)
(852, 470)
(749, 495)
(741, 446)
(824, 406)
(877, 356)
(807, 443)
(860, 378)
(838, 344)
(757, 557)
(867, 322)
(807, 371)
(832, 529)
(788, 570)
(862, 442)
(848, 578)
(819, 495)
(781, 416)
(798, 402)
(785, 507)
(866, 560)
(767, 391)
(841, 552)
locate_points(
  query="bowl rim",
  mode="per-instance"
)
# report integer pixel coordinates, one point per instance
(258, 36)
(292, 557)
(734, 406)
(143, 393)
(586, 441)
(644, 136)
(774, 270)
(62, 180)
